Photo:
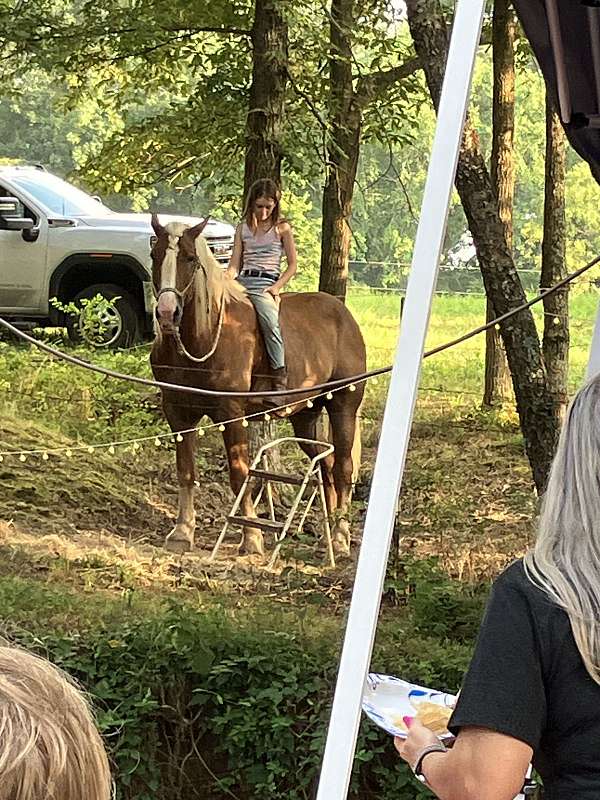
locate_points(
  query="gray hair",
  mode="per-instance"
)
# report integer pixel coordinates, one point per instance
(565, 560)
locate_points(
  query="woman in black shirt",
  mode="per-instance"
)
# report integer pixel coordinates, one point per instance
(532, 691)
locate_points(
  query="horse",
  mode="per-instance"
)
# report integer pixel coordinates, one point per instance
(207, 336)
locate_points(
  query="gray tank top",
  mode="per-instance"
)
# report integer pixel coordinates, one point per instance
(262, 251)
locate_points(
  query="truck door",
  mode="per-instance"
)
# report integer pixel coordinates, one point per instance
(23, 263)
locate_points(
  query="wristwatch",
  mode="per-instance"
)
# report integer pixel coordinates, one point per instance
(438, 747)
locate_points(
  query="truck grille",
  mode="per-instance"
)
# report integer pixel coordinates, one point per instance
(221, 247)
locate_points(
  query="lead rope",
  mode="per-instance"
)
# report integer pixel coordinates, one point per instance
(181, 349)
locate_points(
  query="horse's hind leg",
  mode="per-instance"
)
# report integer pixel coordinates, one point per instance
(305, 427)
(342, 415)
(181, 538)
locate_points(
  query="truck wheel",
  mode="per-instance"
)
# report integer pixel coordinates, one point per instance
(111, 327)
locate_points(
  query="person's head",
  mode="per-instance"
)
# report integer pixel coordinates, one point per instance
(565, 560)
(50, 748)
(262, 203)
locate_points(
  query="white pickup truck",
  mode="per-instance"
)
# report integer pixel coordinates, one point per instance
(59, 242)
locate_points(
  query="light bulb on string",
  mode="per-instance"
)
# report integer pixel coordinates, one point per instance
(1, 458)
(288, 409)
(157, 442)
(201, 431)
(267, 417)
(44, 456)
(179, 438)
(90, 449)
(111, 449)
(69, 452)
(329, 396)
(556, 321)
(352, 388)
(221, 428)
(22, 457)
(244, 423)
(309, 404)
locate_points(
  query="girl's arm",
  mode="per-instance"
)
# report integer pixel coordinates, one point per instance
(482, 763)
(235, 261)
(289, 248)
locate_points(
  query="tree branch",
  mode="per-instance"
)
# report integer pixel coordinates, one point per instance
(371, 86)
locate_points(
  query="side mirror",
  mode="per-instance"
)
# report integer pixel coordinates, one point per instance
(9, 216)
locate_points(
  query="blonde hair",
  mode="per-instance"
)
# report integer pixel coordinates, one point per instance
(50, 748)
(565, 560)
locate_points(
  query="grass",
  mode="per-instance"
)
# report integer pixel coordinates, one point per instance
(467, 494)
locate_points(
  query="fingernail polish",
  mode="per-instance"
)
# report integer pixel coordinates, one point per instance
(407, 721)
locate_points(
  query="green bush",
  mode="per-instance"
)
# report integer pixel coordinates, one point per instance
(215, 704)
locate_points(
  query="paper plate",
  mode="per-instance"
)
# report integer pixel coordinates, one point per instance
(387, 699)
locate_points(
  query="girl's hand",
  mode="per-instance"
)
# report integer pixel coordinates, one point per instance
(419, 737)
(274, 292)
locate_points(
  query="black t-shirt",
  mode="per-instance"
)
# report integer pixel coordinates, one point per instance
(527, 680)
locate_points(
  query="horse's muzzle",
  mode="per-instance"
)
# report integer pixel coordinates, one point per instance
(168, 311)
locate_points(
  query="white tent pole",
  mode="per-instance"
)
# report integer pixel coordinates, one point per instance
(397, 420)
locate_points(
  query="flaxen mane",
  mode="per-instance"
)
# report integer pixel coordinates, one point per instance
(211, 286)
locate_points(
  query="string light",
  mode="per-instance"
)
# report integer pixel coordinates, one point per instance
(556, 321)
(135, 444)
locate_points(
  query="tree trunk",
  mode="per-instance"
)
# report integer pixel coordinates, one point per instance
(265, 118)
(554, 267)
(497, 387)
(537, 411)
(263, 135)
(345, 119)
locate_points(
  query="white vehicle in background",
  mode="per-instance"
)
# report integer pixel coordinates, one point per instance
(56, 241)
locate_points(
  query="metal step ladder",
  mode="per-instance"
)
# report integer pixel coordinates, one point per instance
(311, 479)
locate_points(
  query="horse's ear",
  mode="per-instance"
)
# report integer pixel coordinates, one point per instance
(197, 229)
(156, 226)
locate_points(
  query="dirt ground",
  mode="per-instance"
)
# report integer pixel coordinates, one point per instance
(98, 520)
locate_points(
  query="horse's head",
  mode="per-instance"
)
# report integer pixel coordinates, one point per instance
(174, 266)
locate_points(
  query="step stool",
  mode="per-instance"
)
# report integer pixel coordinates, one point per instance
(311, 478)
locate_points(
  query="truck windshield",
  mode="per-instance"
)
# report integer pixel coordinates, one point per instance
(60, 197)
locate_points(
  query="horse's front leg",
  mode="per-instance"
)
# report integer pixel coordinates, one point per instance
(181, 538)
(236, 444)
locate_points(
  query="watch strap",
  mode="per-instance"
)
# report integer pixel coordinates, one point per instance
(438, 747)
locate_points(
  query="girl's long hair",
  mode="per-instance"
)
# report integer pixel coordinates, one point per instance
(265, 187)
(565, 560)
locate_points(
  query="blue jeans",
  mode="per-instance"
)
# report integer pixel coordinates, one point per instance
(267, 311)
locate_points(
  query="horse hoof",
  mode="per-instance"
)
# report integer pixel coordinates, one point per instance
(340, 547)
(179, 541)
(252, 544)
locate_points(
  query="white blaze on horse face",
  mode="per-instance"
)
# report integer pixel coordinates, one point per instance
(167, 302)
